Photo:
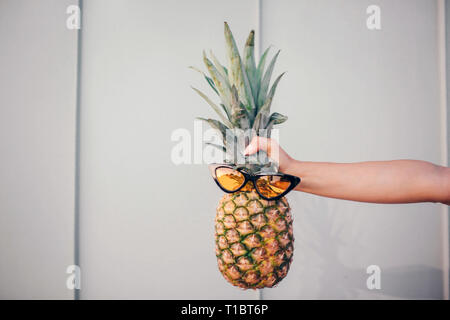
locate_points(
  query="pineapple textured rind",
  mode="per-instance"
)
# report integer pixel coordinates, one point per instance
(254, 240)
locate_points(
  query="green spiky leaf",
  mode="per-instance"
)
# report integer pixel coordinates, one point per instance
(208, 79)
(215, 124)
(274, 86)
(218, 65)
(249, 63)
(215, 107)
(262, 116)
(237, 74)
(227, 112)
(220, 82)
(262, 64)
(246, 98)
(276, 118)
(262, 94)
(239, 115)
(219, 147)
(259, 75)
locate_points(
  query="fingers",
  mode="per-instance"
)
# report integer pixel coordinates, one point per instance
(273, 150)
(252, 148)
(261, 143)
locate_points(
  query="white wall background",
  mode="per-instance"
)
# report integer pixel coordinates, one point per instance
(351, 95)
(146, 225)
(38, 58)
(356, 95)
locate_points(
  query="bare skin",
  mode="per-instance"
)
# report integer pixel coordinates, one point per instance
(397, 181)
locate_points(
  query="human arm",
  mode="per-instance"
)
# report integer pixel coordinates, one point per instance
(397, 181)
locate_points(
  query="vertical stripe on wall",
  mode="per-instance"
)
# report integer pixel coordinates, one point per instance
(447, 42)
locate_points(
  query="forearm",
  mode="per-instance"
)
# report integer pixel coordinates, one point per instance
(399, 181)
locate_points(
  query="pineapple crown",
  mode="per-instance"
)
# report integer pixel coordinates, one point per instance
(245, 98)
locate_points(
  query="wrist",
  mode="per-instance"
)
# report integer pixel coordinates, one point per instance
(289, 166)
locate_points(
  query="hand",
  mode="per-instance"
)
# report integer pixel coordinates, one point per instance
(273, 150)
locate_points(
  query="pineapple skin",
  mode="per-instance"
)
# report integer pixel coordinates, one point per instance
(254, 240)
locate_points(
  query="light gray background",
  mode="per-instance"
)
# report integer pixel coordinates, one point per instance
(146, 225)
(37, 152)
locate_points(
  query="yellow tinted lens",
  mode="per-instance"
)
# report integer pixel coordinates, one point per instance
(272, 186)
(230, 179)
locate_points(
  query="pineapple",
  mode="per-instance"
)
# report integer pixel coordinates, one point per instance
(254, 237)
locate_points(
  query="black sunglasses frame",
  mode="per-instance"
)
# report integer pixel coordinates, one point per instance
(253, 177)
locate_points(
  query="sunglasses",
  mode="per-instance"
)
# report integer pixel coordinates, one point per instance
(269, 186)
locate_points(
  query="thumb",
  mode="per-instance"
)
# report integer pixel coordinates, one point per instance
(259, 143)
